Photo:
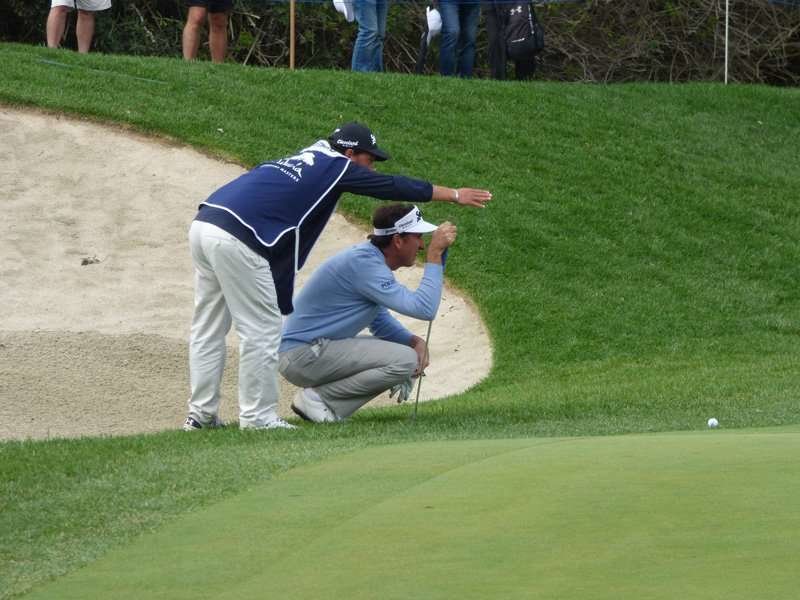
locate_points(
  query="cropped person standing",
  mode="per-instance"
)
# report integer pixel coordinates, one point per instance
(248, 240)
(84, 28)
(459, 31)
(368, 49)
(495, 17)
(217, 13)
(514, 33)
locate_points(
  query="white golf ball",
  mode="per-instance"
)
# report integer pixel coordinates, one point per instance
(712, 422)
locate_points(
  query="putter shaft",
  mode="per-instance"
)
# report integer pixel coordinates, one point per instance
(422, 373)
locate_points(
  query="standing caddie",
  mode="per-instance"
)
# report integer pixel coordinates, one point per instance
(322, 352)
(248, 240)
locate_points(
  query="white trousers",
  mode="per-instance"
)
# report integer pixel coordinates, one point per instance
(232, 284)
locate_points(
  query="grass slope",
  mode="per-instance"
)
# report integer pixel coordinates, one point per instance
(695, 516)
(637, 268)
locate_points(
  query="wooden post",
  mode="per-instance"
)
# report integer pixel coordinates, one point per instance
(291, 33)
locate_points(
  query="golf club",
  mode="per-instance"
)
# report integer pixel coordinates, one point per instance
(427, 350)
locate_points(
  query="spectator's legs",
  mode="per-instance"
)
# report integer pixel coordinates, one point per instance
(524, 69)
(495, 21)
(218, 36)
(195, 20)
(84, 30)
(368, 41)
(56, 25)
(469, 13)
(450, 34)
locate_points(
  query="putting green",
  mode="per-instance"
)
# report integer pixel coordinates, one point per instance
(705, 515)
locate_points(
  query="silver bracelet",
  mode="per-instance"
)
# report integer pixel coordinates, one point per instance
(456, 199)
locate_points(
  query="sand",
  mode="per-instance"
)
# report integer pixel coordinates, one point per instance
(96, 283)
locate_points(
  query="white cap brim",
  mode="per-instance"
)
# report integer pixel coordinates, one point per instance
(421, 227)
(411, 222)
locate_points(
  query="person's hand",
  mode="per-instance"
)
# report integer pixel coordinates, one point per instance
(423, 360)
(473, 197)
(463, 196)
(402, 390)
(441, 240)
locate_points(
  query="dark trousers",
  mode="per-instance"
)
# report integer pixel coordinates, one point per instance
(459, 31)
(495, 14)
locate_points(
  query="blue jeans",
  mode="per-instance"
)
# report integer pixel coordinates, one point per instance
(368, 50)
(459, 30)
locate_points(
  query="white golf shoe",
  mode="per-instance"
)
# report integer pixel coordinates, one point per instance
(279, 424)
(309, 406)
(276, 423)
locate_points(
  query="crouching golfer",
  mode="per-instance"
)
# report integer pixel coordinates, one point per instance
(320, 352)
(249, 239)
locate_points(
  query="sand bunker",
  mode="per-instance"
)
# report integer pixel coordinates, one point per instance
(96, 283)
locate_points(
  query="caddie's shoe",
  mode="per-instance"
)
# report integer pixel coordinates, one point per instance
(309, 406)
(192, 424)
(278, 424)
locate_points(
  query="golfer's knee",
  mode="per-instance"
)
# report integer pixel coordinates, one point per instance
(288, 370)
(405, 365)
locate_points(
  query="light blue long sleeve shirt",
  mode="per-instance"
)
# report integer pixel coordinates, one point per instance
(352, 291)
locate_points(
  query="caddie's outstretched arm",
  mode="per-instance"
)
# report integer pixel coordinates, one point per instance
(366, 182)
(462, 196)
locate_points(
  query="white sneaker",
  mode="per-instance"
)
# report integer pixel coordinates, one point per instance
(309, 406)
(278, 424)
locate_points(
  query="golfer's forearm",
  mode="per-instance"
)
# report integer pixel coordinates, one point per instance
(434, 256)
(423, 302)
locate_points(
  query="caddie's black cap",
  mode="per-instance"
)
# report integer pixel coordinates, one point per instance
(358, 137)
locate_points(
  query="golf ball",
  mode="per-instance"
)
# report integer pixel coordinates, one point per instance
(712, 422)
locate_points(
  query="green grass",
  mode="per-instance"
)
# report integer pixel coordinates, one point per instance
(694, 516)
(637, 269)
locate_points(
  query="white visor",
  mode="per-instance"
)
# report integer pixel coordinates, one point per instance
(410, 223)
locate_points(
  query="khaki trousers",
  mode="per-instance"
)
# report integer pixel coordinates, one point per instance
(348, 373)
